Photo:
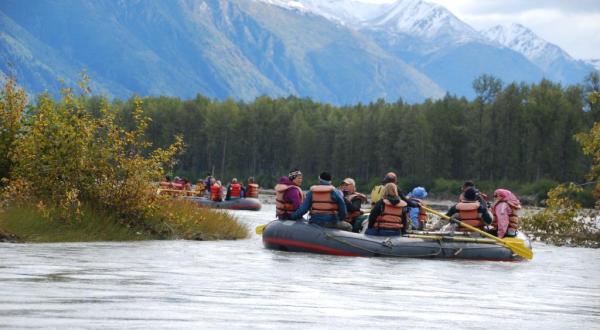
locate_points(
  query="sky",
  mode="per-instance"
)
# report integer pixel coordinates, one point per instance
(574, 25)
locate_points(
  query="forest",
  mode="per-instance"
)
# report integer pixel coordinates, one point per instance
(519, 134)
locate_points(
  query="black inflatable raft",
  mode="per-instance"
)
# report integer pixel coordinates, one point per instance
(300, 236)
(252, 204)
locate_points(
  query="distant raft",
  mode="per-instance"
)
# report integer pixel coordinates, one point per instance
(251, 204)
(301, 236)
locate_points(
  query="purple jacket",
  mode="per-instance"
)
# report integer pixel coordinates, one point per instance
(291, 195)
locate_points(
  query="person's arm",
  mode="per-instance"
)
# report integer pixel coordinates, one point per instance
(485, 215)
(342, 212)
(354, 205)
(452, 211)
(375, 212)
(303, 208)
(409, 202)
(502, 217)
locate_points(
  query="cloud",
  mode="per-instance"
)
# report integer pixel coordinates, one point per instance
(517, 6)
(572, 25)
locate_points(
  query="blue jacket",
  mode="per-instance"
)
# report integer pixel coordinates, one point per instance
(336, 195)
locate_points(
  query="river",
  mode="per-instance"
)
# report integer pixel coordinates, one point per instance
(239, 284)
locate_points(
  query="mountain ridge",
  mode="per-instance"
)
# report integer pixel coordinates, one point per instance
(335, 51)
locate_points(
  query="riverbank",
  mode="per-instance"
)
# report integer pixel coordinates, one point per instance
(172, 220)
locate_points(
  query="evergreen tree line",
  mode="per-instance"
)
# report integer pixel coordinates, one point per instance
(514, 133)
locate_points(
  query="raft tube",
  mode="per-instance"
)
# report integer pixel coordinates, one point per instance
(251, 204)
(301, 236)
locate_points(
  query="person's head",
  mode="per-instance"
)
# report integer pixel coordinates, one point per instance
(390, 190)
(212, 180)
(251, 179)
(501, 194)
(348, 185)
(234, 180)
(467, 184)
(419, 192)
(219, 182)
(325, 178)
(167, 178)
(389, 177)
(470, 194)
(295, 176)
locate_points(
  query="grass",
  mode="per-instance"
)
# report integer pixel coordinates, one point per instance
(174, 220)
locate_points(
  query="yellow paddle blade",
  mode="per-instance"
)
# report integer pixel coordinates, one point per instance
(259, 229)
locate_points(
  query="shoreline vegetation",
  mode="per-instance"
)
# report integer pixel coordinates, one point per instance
(81, 168)
(72, 175)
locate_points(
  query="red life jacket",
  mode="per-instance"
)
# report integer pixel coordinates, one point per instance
(215, 192)
(322, 202)
(513, 217)
(391, 217)
(236, 190)
(468, 213)
(354, 214)
(252, 190)
(283, 208)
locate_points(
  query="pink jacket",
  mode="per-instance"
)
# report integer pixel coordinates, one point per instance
(506, 201)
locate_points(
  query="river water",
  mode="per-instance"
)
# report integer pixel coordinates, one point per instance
(239, 284)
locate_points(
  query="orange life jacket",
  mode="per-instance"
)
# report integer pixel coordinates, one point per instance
(252, 190)
(354, 214)
(469, 214)
(422, 214)
(283, 208)
(513, 217)
(391, 217)
(236, 190)
(322, 202)
(215, 192)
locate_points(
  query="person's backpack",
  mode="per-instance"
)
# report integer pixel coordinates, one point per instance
(376, 194)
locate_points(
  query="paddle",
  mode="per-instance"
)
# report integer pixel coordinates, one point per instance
(259, 229)
(516, 248)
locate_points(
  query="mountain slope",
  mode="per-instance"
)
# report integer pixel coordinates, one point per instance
(552, 60)
(428, 37)
(220, 48)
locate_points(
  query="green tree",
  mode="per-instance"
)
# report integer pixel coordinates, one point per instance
(12, 106)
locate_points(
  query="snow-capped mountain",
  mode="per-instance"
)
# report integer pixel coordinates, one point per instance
(414, 17)
(337, 51)
(523, 40)
(556, 64)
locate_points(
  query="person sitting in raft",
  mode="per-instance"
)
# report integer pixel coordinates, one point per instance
(326, 205)
(353, 201)
(481, 197)
(505, 214)
(288, 194)
(471, 211)
(234, 190)
(215, 192)
(417, 215)
(199, 188)
(377, 191)
(252, 188)
(208, 182)
(388, 216)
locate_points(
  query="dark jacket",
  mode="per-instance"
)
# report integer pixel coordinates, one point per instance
(485, 215)
(336, 196)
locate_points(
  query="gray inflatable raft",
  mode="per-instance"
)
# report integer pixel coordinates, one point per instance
(252, 204)
(301, 236)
